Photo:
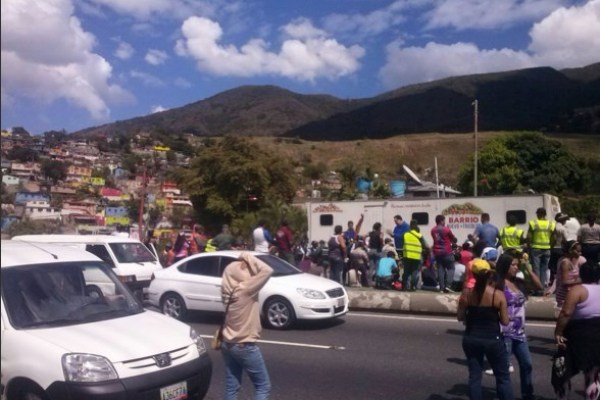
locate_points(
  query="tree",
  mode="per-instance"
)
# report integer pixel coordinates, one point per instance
(23, 154)
(54, 138)
(54, 170)
(222, 176)
(521, 161)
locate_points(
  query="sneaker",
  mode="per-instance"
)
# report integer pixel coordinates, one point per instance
(490, 371)
(448, 290)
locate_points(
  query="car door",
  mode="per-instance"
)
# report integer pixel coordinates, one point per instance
(201, 283)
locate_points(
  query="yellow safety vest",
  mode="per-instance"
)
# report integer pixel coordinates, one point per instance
(510, 237)
(542, 233)
(412, 245)
(210, 246)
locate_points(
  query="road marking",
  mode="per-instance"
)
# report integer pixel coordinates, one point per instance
(432, 319)
(312, 346)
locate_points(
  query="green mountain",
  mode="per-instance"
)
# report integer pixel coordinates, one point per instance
(530, 99)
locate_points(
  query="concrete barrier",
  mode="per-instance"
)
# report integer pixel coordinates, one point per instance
(431, 303)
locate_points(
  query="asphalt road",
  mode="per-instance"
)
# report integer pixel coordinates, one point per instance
(376, 356)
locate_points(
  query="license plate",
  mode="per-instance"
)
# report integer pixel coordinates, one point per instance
(177, 391)
(340, 302)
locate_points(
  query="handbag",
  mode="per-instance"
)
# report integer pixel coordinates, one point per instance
(217, 340)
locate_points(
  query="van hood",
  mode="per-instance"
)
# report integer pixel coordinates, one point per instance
(120, 339)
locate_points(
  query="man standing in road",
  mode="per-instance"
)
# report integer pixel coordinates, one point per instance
(262, 237)
(539, 239)
(414, 244)
(443, 238)
(486, 231)
(242, 280)
(284, 239)
(399, 230)
(511, 237)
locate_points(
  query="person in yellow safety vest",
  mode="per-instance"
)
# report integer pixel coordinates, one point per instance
(412, 251)
(511, 237)
(539, 239)
(210, 246)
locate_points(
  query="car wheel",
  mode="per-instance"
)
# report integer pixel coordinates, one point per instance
(94, 292)
(279, 313)
(173, 305)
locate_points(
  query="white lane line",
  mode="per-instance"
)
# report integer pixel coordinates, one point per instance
(313, 346)
(432, 319)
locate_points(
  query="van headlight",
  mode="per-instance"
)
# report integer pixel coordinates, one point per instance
(311, 294)
(79, 367)
(198, 341)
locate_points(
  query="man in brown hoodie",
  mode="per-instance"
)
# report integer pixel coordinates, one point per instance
(242, 280)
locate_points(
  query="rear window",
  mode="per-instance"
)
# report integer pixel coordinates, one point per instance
(132, 252)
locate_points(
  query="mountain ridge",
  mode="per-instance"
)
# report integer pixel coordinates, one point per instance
(539, 98)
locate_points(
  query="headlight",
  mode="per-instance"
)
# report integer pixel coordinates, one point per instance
(311, 294)
(197, 339)
(87, 368)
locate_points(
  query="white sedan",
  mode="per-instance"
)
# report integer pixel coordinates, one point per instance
(194, 283)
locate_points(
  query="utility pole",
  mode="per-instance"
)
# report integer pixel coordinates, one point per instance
(475, 117)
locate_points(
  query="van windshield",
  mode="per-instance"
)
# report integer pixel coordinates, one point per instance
(132, 252)
(50, 295)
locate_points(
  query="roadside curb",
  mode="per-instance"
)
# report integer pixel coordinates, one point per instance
(431, 303)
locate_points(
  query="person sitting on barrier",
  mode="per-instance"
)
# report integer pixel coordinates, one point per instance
(387, 272)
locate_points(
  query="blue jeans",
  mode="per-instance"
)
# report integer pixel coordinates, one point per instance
(540, 260)
(445, 270)
(495, 351)
(337, 269)
(245, 356)
(521, 351)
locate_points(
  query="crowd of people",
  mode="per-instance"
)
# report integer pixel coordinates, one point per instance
(495, 270)
(547, 259)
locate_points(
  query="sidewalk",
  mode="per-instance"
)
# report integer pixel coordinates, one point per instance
(430, 303)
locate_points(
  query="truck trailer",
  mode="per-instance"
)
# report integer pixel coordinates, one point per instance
(462, 213)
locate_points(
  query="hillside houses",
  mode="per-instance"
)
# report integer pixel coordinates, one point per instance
(83, 201)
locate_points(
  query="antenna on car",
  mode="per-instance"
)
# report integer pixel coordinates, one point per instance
(41, 248)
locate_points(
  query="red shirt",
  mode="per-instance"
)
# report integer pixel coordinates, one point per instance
(442, 240)
(284, 238)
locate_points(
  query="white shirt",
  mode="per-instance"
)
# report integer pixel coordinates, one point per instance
(260, 243)
(572, 225)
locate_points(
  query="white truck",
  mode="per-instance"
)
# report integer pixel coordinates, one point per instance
(462, 213)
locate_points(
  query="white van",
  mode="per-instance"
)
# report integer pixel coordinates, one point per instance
(130, 259)
(71, 330)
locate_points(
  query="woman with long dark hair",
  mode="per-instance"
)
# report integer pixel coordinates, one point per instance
(577, 332)
(483, 309)
(515, 340)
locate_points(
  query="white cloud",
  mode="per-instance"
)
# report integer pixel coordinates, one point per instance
(157, 109)
(148, 9)
(55, 60)
(147, 79)
(468, 14)
(124, 51)
(156, 57)
(568, 37)
(306, 56)
(435, 61)
(372, 23)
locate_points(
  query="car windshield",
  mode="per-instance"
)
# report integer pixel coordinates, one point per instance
(50, 295)
(132, 252)
(280, 267)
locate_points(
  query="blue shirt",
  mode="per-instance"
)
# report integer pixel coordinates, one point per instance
(385, 267)
(487, 233)
(399, 232)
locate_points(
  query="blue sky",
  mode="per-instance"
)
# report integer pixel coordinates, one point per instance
(75, 64)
